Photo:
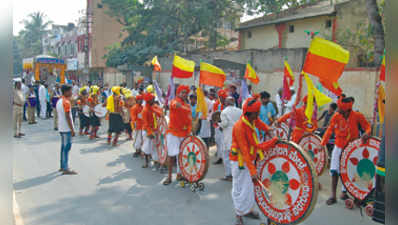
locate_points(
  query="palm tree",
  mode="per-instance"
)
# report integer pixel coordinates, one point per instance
(35, 27)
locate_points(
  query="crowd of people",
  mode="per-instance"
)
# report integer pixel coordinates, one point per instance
(234, 125)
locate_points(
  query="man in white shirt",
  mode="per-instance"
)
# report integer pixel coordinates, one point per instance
(43, 100)
(229, 116)
(284, 107)
(65, 127)
(75, 89)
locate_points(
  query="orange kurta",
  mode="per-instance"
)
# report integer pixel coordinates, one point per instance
(136, 116)
(149, 118)
(346, 130)
(180, 124)
(302, 123)
(245, 145)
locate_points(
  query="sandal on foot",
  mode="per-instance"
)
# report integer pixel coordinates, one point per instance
(253, 215)
(167, 182)
(239, 220)
(331, 201)
(145, 166)
(344, 196)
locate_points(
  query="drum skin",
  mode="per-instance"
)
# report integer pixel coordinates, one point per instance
(193, 159)
(311, 143)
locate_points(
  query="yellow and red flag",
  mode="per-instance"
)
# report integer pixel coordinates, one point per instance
(182, 68)
(380, 103)
(326, 60)
(211, 75)
(288, 81)
(251, 75)
(201, 105)
(383, 69)
(156, 65)
(320, 98)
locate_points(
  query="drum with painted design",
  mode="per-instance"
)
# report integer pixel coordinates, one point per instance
(287, 189)
(311, 143)
(193, 159)
(358, 167)
(100, 111)
(160, 141)
(281, 131)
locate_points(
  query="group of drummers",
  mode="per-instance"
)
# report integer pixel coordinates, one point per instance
(240, 134)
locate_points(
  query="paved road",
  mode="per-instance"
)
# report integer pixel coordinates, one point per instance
(112, 188)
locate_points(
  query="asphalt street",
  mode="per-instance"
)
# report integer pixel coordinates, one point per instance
(111, 188)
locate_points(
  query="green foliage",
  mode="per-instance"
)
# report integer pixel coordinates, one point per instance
(271, 6)
(17, 57)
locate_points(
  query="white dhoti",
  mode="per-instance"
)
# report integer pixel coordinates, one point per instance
(173, 147)
(335, 163)
(219, 138)
(227, 149)
(147, 146)
(242, 190)
(138, 139)
(205, 129)
(43, 109)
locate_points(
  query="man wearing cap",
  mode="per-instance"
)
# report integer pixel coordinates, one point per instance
(18, 103)
(137, 123)
(180, 126)
(93, 101)
(229, 116)
(114, 105)
(150, 113)
(242, 156)
(345, 126)
(302, 125)
(218, 106)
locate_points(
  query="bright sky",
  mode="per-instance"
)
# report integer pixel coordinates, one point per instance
(59, 11)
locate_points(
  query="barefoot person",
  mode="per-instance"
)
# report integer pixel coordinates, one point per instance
(114, 106)
(136, 120)
(244, 173)
(180, 126)
(65, 128)
(345, 126)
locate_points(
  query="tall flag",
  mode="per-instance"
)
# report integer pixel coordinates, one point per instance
(380, 103)
(170, 91)
(288, 81)
(156, 65)
(251, 75)
(320, 98)
(201, 105)
(182, 68)
(326, 60)
(383, 69)
(244, 91)
(211, 75)
(158, 91)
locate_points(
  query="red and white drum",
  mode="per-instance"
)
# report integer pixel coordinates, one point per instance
(193, 159)
(160, 141)
(311, 144)
(281, 131)
(289, 185)
(358, 167)
(100, 111)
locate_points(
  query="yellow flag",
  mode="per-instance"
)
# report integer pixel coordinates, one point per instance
(320, 98)
(201, 105)
(380, 103)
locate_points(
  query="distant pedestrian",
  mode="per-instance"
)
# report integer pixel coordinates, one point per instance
(18, 103)
(65, 127)
(25, 91)
(56, 94)
(31, 102)
(43, 100)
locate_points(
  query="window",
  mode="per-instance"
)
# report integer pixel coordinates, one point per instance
(249, 34)
(328, 24)
(291, 28)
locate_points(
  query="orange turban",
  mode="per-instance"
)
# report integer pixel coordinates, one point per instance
(139, 97)
(251, 105)
(148, 97)
(345, 106)
(182, 88)
(222, 93)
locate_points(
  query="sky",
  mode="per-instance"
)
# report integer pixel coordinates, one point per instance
(59, 11)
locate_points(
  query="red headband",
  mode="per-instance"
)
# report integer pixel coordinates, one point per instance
(345, 106)
(255, 107)
(222, 93)
(182, 88)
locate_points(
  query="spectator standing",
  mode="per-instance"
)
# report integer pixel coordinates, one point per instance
(18, 103)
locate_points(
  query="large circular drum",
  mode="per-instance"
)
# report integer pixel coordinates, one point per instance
(311, 143)
(281, 131)
(160, 141)
(100, 111)
(193, 159)
(358, 167)
(287, 189)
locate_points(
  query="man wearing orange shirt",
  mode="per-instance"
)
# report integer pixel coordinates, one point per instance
(180, 126)
(244, 150)
(345, 126)
(150, 113)
(302, 125)
(219, 106)
(136, 120)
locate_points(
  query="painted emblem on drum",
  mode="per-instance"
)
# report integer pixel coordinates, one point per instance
(312, 145)
(358, 167)
(193, 159)
(290, 182)
(282, 131)
(160, 141)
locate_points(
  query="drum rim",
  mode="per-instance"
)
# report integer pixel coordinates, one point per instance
(315, 181)
(165, 144)
(325, 150)
(206, 157)
(340, 165)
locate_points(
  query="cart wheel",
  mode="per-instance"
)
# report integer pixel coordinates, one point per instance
(369, 210)
(349, 203)
(193, 187)
(201, 186)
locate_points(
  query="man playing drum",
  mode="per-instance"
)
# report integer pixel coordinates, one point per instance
(136, 121)
(244, 150)
(150, 113)
(83, 119)
(114, 106)
(180, 126)
(345, 125)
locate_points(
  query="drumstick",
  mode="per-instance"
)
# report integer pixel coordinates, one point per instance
(266, 190)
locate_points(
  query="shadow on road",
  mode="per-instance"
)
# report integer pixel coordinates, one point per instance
(25, 184)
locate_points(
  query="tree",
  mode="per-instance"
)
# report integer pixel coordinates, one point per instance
(17, 58)
(376, 24)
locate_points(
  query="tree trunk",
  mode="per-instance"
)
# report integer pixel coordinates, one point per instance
(377, 30)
